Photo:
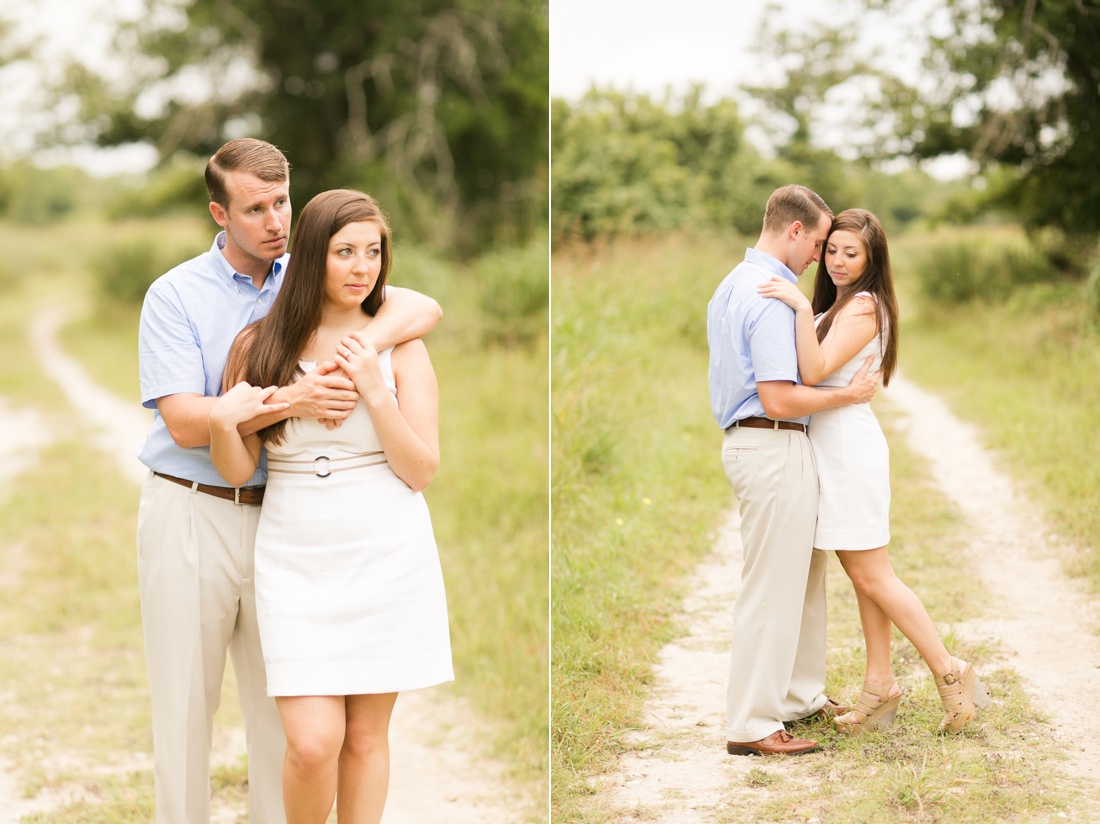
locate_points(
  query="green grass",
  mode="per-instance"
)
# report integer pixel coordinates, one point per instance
(637, 490)
(637, 484)
(490, 510)
(1028, 378)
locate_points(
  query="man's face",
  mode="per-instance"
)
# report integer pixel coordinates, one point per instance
(806, 245)
(256, 223)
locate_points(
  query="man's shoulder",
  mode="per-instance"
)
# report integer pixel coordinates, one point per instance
(189, 275)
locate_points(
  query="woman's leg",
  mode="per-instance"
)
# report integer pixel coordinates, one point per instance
(874, 580)
(314, 728)
(365, 759)
(876, 635)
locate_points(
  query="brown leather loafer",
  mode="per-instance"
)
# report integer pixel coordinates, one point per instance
(779, 742)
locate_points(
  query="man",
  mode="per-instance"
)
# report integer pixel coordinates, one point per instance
(195, 534)
(777, 659)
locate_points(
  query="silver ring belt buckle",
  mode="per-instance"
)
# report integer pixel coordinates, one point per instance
(321, 470)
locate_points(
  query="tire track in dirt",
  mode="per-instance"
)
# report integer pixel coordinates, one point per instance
(678, 772)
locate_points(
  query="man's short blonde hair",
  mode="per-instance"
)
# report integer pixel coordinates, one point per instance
(257, 157)
(794, 202)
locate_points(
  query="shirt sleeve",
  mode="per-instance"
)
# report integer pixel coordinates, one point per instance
(771, 342)
(169, 355)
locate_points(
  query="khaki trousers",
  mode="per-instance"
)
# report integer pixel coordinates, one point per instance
(777, 658)
(195, 571)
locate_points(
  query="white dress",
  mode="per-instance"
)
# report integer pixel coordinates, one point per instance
(349, 591)
(853, 467)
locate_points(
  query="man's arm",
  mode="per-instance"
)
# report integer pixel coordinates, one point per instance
(320, 394)
(404, 315)
(783, 400)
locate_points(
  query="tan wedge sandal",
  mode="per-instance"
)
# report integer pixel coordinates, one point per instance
(962, 694)
(875, 709)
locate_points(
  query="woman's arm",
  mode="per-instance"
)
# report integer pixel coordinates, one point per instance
(850, 332)
(404, 315)
(409, 429)
(236, 456)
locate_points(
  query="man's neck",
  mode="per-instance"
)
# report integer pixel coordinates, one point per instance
(773, 246)
(254, 268)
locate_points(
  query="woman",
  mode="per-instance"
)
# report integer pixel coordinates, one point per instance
(349, 591)
(857, 316)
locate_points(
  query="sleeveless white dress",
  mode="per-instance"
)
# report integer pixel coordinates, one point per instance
(349, 591)
(853, 467)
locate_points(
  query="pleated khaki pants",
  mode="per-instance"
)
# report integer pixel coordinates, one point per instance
(777, 658)
(195, 571)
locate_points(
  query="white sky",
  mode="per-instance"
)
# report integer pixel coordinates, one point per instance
(649, 46)
(646, 45)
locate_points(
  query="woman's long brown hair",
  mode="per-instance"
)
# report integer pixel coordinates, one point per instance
(266, 353)
(877, 278)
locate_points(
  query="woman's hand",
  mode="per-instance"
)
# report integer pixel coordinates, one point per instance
(782, 289)
(357, 356)
(243, 402)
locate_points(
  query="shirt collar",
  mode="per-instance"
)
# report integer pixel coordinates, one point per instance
(770, 263)
(230, 274)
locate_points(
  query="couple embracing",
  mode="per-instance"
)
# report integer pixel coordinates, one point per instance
(790, 385)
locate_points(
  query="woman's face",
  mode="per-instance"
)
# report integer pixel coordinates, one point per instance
(353, 264)
(845, 258)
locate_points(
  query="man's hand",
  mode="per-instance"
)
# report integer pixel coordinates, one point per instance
(325, 394)
(242, 403)
(864, 383)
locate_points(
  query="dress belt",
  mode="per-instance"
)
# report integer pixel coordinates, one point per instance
(323, 466)
(252, 495)
(768, 423)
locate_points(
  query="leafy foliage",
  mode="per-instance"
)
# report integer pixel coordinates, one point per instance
(1013, 83)
(985, 268)
(434, 106)
(625, 164)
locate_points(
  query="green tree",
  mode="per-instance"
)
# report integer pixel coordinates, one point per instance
(433, 105)
(627, 164)
(814, 71)
(1014, 84)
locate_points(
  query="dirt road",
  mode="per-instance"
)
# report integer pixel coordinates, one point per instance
(1040, 619)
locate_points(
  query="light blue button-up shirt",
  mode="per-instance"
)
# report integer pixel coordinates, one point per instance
(751, 339)
(189, 320)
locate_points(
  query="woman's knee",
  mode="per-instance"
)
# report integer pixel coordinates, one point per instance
(312, 750)
(869, 579)
(363, 743)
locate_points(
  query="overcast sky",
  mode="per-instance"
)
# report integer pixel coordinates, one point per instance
(646, 45)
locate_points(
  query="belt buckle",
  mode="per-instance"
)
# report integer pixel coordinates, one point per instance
(317, 468)
(237, 496)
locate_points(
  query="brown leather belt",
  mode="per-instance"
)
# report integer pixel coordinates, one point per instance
(768, 423)
(253, 495)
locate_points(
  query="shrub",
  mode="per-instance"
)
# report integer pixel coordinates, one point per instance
(514, 293)
(984, 269)
(125, 269)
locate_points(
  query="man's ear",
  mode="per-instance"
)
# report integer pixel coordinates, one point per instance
(221, 217)
(792, 231)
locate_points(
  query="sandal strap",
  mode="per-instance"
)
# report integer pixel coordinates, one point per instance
(881, 693)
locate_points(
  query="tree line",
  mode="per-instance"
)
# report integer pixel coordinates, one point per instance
(1013, 86)
(437, 107)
